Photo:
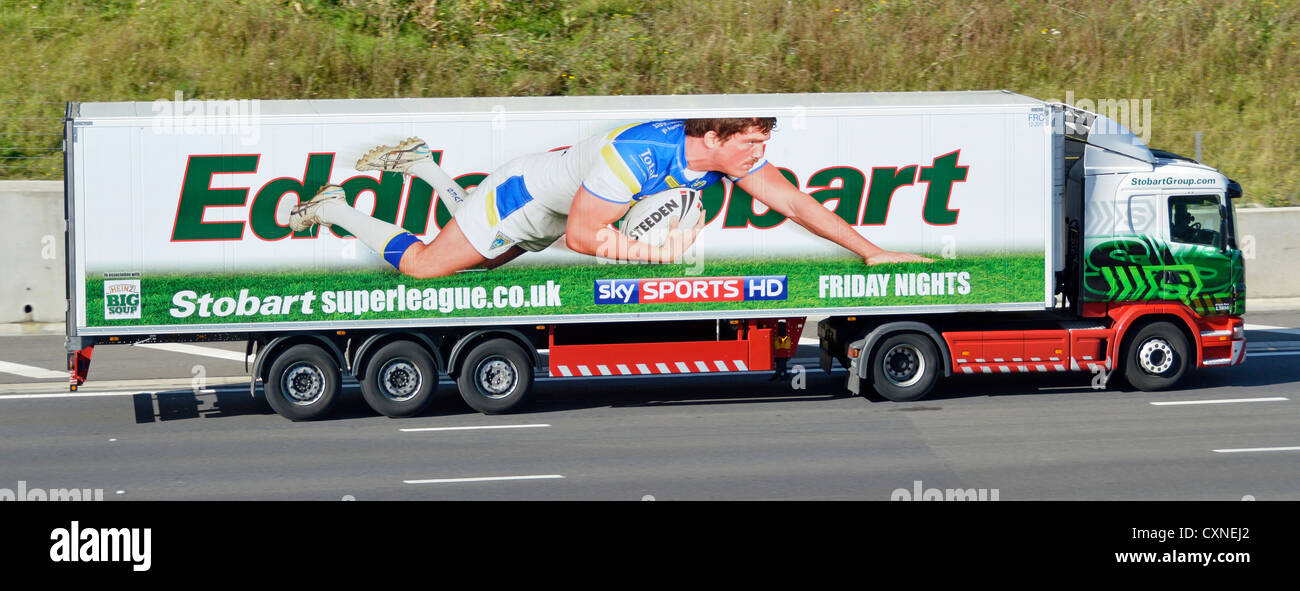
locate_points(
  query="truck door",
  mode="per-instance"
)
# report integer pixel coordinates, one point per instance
(1199, 270)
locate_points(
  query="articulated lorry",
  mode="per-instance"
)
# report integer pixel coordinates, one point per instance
(1057, 241)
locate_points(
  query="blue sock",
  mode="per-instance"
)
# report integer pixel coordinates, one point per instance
(397, 246)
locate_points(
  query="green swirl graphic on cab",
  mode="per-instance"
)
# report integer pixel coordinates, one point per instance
(1142, 268)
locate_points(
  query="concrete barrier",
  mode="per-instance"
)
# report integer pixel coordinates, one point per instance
(33, 256)
(1269, 238)
(34, 284)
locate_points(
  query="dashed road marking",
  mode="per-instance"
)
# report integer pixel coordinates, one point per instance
(426, 429)
(484, 479)
(1220, 401)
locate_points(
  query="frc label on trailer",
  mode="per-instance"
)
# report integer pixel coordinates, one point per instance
(122, 299)
(694, 289)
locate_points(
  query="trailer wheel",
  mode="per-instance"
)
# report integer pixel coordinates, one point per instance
(1156, 358)
(495, 377)
(303, 383)
(905, 367)
(400, 380)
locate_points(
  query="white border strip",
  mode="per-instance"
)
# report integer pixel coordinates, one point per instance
(31, 371)
(199, 350)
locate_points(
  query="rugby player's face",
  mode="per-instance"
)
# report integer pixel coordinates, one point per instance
(742, 151)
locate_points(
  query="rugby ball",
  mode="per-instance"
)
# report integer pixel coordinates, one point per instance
(648, 219)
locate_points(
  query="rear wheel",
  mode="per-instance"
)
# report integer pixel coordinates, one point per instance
(905, 367)
(400, 380)
(1157, 357)
(496, 376)
(303, 383)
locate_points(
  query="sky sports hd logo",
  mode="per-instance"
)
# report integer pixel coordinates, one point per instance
(695, 289)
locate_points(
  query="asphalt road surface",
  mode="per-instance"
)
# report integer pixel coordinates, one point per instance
(168, 423)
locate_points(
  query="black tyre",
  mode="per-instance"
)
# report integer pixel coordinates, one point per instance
(496, 376)
(1157, 357)
(400, 380)
(303, 383)
(905, 367)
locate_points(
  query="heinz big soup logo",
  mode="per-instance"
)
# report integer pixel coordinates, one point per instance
(121, 299)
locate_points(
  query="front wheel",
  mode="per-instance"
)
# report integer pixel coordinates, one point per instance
(496, 376)
(905, 367)
(1157, 357)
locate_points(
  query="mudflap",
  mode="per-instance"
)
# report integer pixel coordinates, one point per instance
(79, 367)
(854, 382)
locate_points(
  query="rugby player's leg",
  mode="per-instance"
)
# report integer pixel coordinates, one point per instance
(449, 252)
(509, 255)
(448, 190)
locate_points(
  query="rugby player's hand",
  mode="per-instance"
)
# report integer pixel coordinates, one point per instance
(680, 240)
(889, 256)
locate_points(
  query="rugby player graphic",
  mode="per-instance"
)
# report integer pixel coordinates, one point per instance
(577, 193)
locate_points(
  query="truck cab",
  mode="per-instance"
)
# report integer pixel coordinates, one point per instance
(1150, 282)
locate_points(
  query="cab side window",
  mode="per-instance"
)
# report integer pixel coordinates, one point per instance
(1196, 219)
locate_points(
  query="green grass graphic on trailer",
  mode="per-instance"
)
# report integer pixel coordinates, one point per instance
(554, 290)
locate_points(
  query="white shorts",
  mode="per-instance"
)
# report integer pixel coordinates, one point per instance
(501, 213)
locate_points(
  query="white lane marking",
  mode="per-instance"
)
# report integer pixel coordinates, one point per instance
(1231, 451)
(71, 395)
(196, 350)
(28, 371)
(809, 341)
(426, 429)
(483, 479)
(1281, 329)
(1250, 355)
(1220, 401)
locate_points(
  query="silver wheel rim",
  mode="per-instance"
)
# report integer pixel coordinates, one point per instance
(302, 384)
(1156, 356)
(903, 365)
(496, 378)
(400, 380)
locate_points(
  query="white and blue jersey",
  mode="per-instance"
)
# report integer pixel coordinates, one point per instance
(644, 159)
(526, 201)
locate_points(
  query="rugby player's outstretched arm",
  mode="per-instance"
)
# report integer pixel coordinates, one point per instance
(770, 187)
(589, 232)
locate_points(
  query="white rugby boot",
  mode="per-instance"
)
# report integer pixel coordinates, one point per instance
(397, 158)
(308, 213)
